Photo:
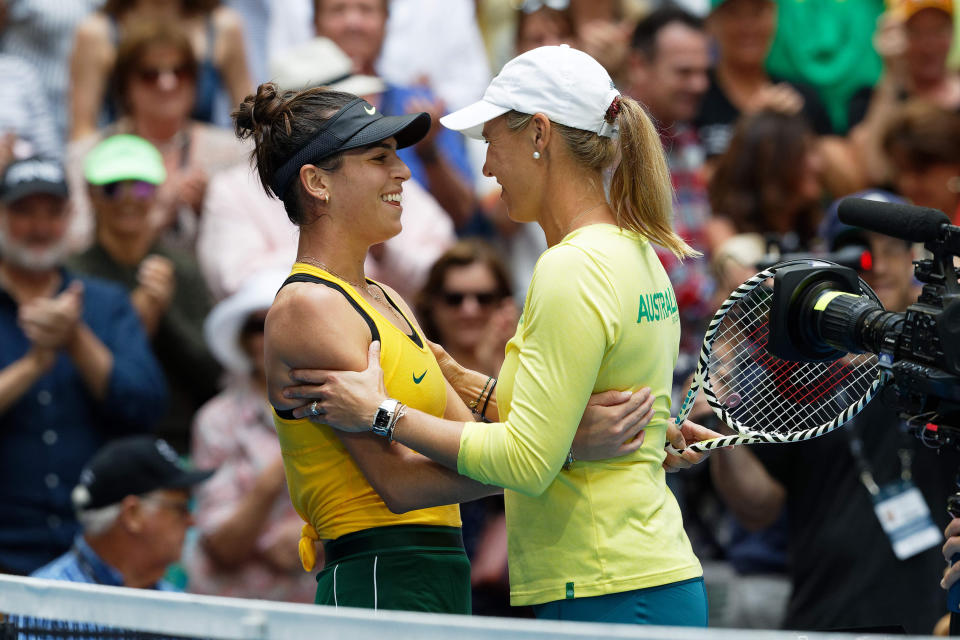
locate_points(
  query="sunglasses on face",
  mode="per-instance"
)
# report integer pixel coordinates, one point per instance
(151, 75)
(136, 189)
(483, 298)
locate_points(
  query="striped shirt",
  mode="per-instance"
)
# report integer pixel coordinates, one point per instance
(24, 110)
(41, 32)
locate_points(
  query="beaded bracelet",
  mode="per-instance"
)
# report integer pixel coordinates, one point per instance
(473, 404)
(398, 413)
(483, 412)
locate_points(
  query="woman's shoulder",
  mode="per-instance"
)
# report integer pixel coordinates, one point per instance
(302, 300)
(593, 245)
(592, 259)
(308, 321)
(568, 266)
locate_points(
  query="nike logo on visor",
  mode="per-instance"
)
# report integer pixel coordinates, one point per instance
(418, 379)
(370, 111)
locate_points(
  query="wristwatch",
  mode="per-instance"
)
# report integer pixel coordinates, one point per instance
(383, 418)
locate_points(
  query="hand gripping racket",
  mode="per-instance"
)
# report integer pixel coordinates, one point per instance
(762, 397)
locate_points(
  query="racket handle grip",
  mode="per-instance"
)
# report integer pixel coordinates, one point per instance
(953, 595)
(677, 452)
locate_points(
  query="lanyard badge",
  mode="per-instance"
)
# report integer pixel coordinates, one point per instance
(900, 507)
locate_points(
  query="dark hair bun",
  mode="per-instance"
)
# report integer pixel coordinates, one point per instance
(258, 116)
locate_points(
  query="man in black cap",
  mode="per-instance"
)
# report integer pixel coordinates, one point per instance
(75, 368)
(133, 505)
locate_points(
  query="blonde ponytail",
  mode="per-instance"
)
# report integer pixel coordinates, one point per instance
(641, 191)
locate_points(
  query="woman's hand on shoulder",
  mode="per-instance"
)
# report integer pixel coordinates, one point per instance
(346, 400)
(311, 327)
(612, 424)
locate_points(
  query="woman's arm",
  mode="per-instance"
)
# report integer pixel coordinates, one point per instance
(297, 337)
(612, 424)
(90, 64)
(230, 55)
(406, 480)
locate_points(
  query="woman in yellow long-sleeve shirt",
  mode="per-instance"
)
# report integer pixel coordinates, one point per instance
(388, 517)
(587, 540)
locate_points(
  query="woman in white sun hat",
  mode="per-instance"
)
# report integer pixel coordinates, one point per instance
(602, 540)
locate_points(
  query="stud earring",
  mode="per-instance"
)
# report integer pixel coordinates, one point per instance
(536, 155)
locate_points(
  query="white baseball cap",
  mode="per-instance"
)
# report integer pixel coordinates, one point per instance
(564, 84)
(320, 62)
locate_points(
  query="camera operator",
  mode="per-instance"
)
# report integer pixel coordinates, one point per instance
(836, 488)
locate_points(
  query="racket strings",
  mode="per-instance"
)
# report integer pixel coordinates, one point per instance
(763, 393)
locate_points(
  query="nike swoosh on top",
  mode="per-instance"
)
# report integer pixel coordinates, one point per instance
(417, 380)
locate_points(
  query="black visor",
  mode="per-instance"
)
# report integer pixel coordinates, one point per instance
(357, 124)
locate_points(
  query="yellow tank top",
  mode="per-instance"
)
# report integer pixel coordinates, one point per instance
(327, 487)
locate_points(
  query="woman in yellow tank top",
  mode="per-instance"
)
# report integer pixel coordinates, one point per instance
(388, 517)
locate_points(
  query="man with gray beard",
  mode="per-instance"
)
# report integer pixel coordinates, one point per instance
(75, 368)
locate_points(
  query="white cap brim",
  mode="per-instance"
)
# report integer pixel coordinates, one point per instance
(360, 85)
(470, 119)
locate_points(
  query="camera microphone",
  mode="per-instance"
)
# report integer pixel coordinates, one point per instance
(916, 224)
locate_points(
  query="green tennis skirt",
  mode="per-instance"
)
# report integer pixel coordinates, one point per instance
(403, 567)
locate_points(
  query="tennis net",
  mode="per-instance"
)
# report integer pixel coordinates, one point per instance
(45, 609)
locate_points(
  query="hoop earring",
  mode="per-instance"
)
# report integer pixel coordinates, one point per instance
(536, 155)
(325, 197)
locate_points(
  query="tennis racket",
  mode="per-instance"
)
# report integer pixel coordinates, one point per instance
(763, 398)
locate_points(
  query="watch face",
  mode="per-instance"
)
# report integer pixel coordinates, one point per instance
(383, 417)
(381, 421)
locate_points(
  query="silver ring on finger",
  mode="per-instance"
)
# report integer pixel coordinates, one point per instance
(314, 408)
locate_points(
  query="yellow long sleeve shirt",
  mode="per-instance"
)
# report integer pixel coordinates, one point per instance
(600, 314)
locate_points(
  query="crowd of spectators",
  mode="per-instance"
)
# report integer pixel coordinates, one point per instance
(138, 254)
